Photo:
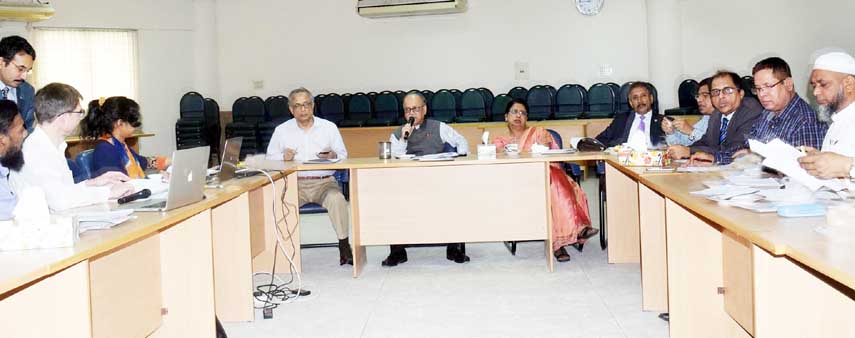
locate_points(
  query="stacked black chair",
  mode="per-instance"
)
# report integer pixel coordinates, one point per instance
(247, 113)
(497, 111)
(458, 98)
(570, 101)
(622, 98)
(191, 128)
(601, 102)
(386, 110)
(428, 94)
(518, 93)
(359, 110)
(372, 96)
(332, 108)
(346, 99)
(472, 107)
(615, 87)
(443, 106)
(277, 113)
(655, 93)
(686, 98)
(316, 104)
(400, 95)
(540, 103)
(551, 90)
(488, 97)
(213, 130)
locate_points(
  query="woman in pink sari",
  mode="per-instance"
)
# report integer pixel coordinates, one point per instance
(571, 222)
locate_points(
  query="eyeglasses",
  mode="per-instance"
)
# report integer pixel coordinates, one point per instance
(81, 112)
(725, 91)
(300, 106)
(518, 112)
(21, 68)
(760, 89)
(415, 109)
(700, 95)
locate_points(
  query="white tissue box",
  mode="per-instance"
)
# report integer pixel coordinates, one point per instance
(486, 151)
(59, 233)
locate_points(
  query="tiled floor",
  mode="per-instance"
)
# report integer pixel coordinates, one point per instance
(494, 295)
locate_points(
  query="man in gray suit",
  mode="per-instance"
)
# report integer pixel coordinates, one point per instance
(17, 62)
(729, 125)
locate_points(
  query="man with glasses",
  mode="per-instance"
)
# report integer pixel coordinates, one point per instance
(423, 137)
(729, 125)
(18, 57)
(307, 137)
(679, 134)
(59, 112)
(833, 82)
(785, 116)
(640, 122)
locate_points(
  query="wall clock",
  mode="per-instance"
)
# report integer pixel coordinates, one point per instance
(589, 7)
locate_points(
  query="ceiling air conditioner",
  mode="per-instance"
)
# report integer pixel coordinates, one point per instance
(25, 11)
(392, 8)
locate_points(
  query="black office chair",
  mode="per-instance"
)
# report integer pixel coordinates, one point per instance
(540, 103)
(570, 101)
(601, 102)
(472, 107)
(500, 102)
(686, 99)
(342, 176)
(359, 110)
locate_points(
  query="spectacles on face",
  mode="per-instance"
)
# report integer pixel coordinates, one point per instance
(21, 68)
(300, 106)
(81, 112)
(415, 109)
(725, 91)
(516, 112)
(761, 89)
(702, 95)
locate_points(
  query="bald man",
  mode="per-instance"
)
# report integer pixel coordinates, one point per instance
(833, 82)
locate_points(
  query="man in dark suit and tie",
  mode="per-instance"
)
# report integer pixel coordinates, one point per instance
(18, 57)
(729, 125)
(641, 120)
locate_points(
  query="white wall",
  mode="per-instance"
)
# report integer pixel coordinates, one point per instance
(325, 46)
(165, 37)
(735, 34)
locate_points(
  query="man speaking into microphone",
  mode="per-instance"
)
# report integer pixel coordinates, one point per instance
(419, 137)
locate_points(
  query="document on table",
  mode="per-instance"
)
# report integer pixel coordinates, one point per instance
(437, 157)
(156, 186)
(784, 158)
(100, 220)
(322, 161)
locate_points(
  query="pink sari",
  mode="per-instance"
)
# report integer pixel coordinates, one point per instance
(569, 204)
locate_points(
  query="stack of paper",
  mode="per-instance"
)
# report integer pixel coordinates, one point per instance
(784, 158)
(437, 157)
(100, 220)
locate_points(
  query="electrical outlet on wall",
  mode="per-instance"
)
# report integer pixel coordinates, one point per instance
(521, 70)
(258, 84)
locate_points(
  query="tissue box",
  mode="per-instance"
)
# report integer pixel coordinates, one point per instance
(486, 151)
(649, 158)
(59, 233)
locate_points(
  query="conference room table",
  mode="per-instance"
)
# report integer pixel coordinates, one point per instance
(718, 270)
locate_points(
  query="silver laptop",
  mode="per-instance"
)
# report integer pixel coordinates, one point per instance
(231, 157)
(186, 183)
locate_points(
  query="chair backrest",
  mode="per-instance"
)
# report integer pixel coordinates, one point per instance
(472, 104)
(192, 106)
(551, 90)
(238, 107)
(346, 99)
(386, 106)
(84, 164)
(615, 87)
(360, 107)
(540, 102)
(557, 137)
(601, 101)
(400, 94)
(428, 94)
(212, 113)
(332, 108)
(254, 110)
(443, 106)
(622, 98)
(686, 93)
(570, 101)
(517, 93)
(458, 96)
(488, 97)
(497, 110)
(277, 108)
(747, 84)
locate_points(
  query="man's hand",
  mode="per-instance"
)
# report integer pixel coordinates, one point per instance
(110, 177)
(683, 126)
(667, 127)
(289, 154)
(121, 190)
(701, 159)
(740, 153)
(407, 129)
(329, 154)
(826, 164)
(676, 151)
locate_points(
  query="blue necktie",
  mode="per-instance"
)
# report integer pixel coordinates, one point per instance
(723, 131)
(4, 93)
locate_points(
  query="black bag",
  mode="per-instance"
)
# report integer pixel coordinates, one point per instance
(590, 144)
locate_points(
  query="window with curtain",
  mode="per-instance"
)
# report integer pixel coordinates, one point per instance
(98, 62)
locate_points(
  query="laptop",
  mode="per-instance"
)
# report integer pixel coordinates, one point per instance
(230, 159)
(186, 183)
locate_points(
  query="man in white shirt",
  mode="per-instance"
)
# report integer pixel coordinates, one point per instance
(307, 137)
(58, 112)
(833, 82)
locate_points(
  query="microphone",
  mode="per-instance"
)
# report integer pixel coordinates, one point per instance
(410, 122)
(145, 193)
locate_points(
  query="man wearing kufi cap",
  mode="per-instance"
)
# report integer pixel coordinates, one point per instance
(833, 82)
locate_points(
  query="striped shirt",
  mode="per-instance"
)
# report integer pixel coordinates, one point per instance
(797, 125)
